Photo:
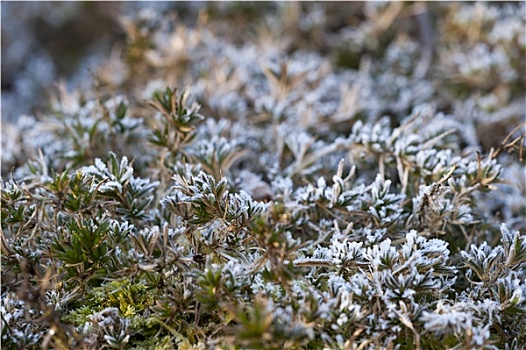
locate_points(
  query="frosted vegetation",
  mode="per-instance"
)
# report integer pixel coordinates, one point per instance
(273, 175)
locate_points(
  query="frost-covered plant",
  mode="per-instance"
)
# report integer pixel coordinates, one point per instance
(298, 178)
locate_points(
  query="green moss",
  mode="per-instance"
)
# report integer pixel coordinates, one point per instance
(155, 343)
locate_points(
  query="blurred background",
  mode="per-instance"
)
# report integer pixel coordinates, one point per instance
(463, 49)
(44, 42)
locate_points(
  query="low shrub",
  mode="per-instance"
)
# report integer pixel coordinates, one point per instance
(301, 176)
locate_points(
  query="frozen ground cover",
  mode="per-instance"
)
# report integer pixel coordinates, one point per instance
(268, 176)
